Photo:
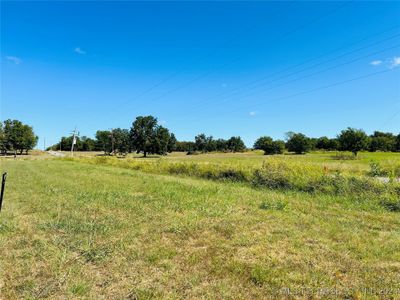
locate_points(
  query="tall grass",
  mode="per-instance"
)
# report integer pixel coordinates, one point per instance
(273, 174)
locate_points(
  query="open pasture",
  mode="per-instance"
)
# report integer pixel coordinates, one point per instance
(87, 229)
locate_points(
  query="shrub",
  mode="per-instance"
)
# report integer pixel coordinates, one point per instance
(279, 205)
(376, 170)
(390, 204)
(272, 176)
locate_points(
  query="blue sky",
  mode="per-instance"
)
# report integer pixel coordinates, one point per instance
(222, 68)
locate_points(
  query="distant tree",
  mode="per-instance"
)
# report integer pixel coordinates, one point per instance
(313, 143)
(200, 142)
(184, 146)
(3, 148)
(221, 145)
(172, 143)
(14, 135)
(398, 143)
(269, 146)
(353, 140)
(322, 143)
(278, 146)
(103, 141)
(121, 138)
(142, 133)
(333, 144)
(211, 144)
(160, 142)
(235, 144)
(29, 139)
(298, 143)
(149, 137)
(325, 143)
(382, 141)
(86, 144)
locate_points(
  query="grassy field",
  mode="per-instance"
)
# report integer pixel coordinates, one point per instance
(95, 228)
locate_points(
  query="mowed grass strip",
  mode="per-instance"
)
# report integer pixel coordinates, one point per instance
(73, 230)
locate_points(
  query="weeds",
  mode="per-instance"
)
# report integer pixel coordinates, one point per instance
(273, 174)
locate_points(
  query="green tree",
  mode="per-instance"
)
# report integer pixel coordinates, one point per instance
(200, 142)
(221, 145)
(87, 144)
(269, 146)
(382, 141)
(322, 143)
(149, 137)
(353, 140)
(14, 132)
(172, 143)
(236, 144)
(103, 141)
(121, 140)
(2, 140)
(184, 146)
(29, 139)
(142, 133)
(398, 143)
(298, 143)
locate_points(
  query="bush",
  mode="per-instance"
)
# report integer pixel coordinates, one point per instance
(272, 176)
(390, 204)
(376, 170)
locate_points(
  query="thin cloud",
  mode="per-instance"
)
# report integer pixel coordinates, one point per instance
(79, 50)
(252, 113)
(14, 59)
(376, 62)
(395, 62)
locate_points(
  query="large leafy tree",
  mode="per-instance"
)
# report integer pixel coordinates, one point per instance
(201, 141)
(121, 139)
(398, 143)
(104, 141)
(382, 141)
(149, 137)
(298, 143)
(29, 139)
(16, 136)
(172, 143)
(269, 146)
(3, 148)
(353, 140)
(236, 144)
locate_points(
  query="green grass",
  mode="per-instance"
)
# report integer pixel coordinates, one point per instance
(70, 229)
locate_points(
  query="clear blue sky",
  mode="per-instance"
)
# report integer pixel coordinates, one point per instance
(222, 68)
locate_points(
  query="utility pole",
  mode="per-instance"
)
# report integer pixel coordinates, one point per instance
(112, 140)
(73, 142)
(44, 144)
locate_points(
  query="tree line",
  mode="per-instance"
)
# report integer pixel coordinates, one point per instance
(148, 137)
(350, 139)
(16, 136)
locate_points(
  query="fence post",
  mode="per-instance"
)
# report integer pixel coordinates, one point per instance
(3, 187)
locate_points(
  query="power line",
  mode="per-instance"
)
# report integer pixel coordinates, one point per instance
(202, 58)
(310, 75)
(206, 74)
(191, 81)
(312, 90)
(240, 90)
